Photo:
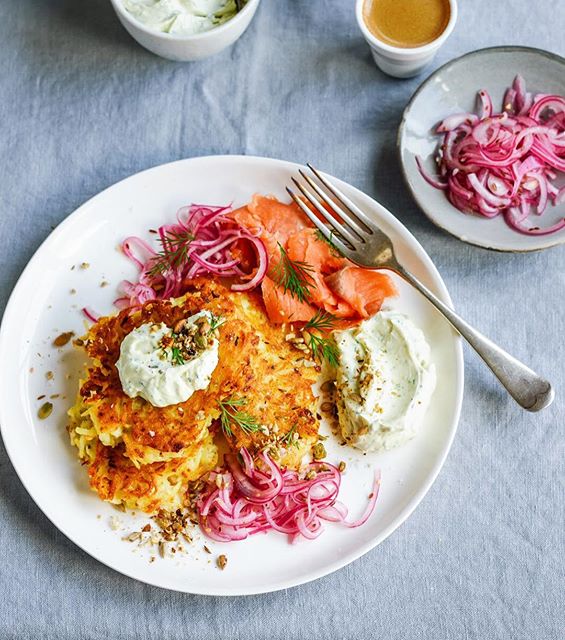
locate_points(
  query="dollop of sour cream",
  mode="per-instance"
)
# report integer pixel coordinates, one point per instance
(148, 371)
(182, 17)
(384, 381)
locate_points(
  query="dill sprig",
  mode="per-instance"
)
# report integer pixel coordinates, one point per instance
(328, 241)
(289, 438)
(215, 323)
(321, 321)
(173, 254)
(323, 348)
(176, 356)
(231, 414)
(293, 276)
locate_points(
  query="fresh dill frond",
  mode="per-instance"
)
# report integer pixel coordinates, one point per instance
(173, 254)
(176, 356)
(289, 438)
(321, 320)
(293, 276)
(323, 348)
(215, 323)
(231, 414)
(328, 241)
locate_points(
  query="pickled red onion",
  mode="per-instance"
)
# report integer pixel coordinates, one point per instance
(252, 496)
(504, 163)
(211, 237)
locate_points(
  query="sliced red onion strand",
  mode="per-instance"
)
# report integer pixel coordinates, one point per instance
(252, 496)
(91, 315)
(214, 236)
(504, 163)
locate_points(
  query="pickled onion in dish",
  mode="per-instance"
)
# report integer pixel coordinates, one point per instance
(201, 241)
(252, 496)
(504, 163)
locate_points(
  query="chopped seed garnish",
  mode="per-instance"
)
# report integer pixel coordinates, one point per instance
(341, 466)
(207, 549)
(63, 339)
(222, 561)
(45, 410)
(318, 451)
(146, 528)
(49, 375)
(132, 537)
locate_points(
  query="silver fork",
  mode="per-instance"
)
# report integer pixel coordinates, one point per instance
(359, 239)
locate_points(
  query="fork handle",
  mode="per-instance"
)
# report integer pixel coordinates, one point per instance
(531, 391)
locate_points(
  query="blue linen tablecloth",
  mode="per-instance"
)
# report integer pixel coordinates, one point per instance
(82, 106)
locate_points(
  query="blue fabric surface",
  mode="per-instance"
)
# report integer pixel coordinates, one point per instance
(82, 106)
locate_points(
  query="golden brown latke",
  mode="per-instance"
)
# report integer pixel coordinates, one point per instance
(255, 363)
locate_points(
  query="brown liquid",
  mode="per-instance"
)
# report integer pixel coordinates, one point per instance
(406, 23)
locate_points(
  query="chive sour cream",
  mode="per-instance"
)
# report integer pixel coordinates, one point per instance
(152, 372)
(384, 381)
(182, 17)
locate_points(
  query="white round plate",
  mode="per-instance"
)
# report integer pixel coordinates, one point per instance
(43, 305)
(453, 89)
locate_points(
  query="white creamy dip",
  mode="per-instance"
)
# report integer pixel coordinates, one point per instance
(149, 371)
(182, 17)
(384, 381)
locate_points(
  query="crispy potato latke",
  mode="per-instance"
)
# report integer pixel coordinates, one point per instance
(143, 456)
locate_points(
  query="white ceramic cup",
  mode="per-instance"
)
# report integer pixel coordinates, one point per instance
(403, 62)
(186, 48)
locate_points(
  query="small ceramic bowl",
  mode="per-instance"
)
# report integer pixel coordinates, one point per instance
(187, 48)
(453, 89)
(403, 62)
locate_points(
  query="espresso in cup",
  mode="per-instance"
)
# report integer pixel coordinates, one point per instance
(406, 23)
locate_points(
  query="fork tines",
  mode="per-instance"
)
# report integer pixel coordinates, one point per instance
(346, 225)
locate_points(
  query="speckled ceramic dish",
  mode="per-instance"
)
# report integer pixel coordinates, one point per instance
(453, 89)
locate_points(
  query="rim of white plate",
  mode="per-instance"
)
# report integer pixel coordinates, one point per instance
(441, 290)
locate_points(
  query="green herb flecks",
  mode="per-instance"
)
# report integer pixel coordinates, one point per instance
(173, 254)
(215, 323)
(289, 438)
(322, 348)
(320, 236)
(176, 356)
(321, 321)
(232, 414)
(293, 276)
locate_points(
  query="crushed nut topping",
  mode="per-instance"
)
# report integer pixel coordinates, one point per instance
(63, 339)
(188, 340)
(318, 451)
(45, 410)
(222, 561)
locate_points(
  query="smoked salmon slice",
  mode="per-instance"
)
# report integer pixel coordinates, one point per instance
(282, 306)
(305, 246)
(271, 220)
(364, 289)
(335, 285)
